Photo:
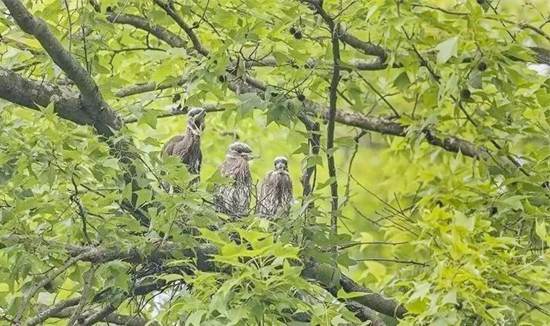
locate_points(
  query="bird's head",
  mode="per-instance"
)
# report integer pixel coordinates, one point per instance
(239, 149)
(280, 163)
(196, 120)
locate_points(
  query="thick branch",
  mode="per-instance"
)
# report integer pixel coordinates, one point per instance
(53, 311)
(105, 120)
(112, 318)
(372, 300)
(33, 95)
(389, 127)
(380, 125)
(99, 315)
(364, 313)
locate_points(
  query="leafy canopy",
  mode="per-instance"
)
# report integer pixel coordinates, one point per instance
(440, 150)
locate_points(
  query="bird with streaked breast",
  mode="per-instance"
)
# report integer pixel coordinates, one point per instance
(187, 146)
(275, 194)
(234, 199)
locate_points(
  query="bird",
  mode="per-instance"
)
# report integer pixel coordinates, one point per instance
(234, 199)
(275, 191)
(187, 146)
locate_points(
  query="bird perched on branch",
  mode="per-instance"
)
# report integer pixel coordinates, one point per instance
(234, 199)
(276, 191)
(187, 146)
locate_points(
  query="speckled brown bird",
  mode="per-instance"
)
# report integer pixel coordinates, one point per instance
(187, 146)
(234, 199)
(275, 194)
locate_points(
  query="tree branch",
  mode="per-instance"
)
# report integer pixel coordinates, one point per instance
(141, 23)
(99, 315)
(186, 28)
(32, 292)
(146, 87)
(344, 36)
(53, 311)
(105, 119)
(112, 318)
(333, 97)
(98, 255)
(182, 111)
(33, 95)
(373, 300)
(85, 290)
(364, 313)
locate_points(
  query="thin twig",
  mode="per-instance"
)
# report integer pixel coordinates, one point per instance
(350, 165)
(66, 3)
(381, 243)
(81, 210)
(382, 97)
(398, 261)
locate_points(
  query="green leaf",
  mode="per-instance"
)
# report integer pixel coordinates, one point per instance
(447, 49)
(540, 230)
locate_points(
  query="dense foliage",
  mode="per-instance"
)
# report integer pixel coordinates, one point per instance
(416, 134)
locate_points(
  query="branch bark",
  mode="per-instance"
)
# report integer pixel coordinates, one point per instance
(16, 89)
(100, 315)
(104, 119)
(99, 255)
(367, 47)
(376, 124)
(112, 318)
(53, 311)
(37, 286)
(333, 98)
(141, 23)
(169, 9)
(372, 300)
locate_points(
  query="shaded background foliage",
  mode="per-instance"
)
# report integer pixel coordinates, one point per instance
(455, 239)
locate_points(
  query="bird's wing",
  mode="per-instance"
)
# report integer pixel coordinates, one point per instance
(264, 188)
(287, 195)
(170, 144)
(200, 160)
(183, 147)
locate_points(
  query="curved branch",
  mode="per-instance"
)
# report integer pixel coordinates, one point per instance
(98, 255)
(141, 23)
(333, 98)
(372, 299)
(186, 28)
(33, 95)
(367, 47)
(105, 119)
(53, 311)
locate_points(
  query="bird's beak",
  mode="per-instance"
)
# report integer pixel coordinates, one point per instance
(280, 166)
(200, 116)
(251, 156)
